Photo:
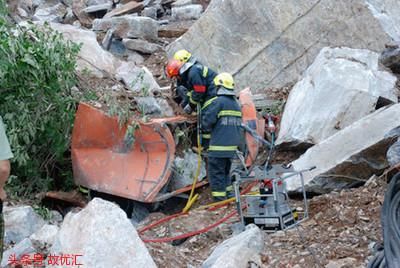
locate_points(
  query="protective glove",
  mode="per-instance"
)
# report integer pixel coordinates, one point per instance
(187, 109)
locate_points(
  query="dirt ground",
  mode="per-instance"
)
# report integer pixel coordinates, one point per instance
(341, 225)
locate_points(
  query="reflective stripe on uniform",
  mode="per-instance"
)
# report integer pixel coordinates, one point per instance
(229, 113)
(217, 194)
(206, 136)
(208, 102)
(205, 71)
(189, 94)
(229, 188)
(222, 148)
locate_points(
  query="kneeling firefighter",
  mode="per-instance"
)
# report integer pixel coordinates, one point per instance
(194, 80)
(222, 117)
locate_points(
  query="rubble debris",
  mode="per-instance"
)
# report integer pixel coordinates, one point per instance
(98, 2)
(23, 247)
(92, 58)
(166, 109)
(45, 236)
(342, 86)
(148, 105)
(77, 7)
(140, 45)
(106, 43)
(69, 17)
(134, 57)
(19, 223)
(276, 49)
(98, 8)
(150, 12)
(129, 26)
(130, 7)
(390, 58)
(238, 251)
(188, 12)
(50, 13)
(174, 29)
(393, 153)
(137, 79)
(349, 156)
(184, 169)
(179, 3)
(102, 234)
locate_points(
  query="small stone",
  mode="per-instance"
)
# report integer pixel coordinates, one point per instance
(141, 45)
(190, 12)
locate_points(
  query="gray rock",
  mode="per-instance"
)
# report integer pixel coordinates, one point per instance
(36, 3)
(23, 247)
(166, 109)
(184, 170)
(189, 12)
(56, 218)
(283, 37)
(134, 57)
(182, 3)
(238, 251)
(137, 79)
(97, 8)
(106, 43)
(388, 14)
(50, 14)
(150, 12)
(148, 105)
(390, 58)
(20, 222)
(22, 13)
(98, 2)
(140, 45)
(104, 239)
(45, 236)
(68, 3)
(393, 154)
(93, 58)
(129, 26)
(69, 17)
(340, 87)
(350, 155)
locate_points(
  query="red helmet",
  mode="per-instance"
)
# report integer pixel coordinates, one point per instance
(173, 68)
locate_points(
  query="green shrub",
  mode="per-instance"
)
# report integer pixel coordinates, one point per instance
(36, 76)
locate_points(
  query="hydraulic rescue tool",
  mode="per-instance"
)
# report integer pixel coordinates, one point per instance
(269, 207)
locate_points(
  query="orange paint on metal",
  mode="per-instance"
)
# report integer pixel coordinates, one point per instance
(249, 117)
(102, 162)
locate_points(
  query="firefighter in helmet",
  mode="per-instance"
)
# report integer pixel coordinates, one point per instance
(222, 117)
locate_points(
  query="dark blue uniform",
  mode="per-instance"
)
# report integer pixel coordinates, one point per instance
(198, 81)
(222, 117)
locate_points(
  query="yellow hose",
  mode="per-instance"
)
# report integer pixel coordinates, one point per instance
(192, 198)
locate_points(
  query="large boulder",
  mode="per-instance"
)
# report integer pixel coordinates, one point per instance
(340, 87)
(388, 14)
(91, 56)
(238, 251)
(129, 26)
(350, 156)
(269, 43)
(20, 222)
(104, 236)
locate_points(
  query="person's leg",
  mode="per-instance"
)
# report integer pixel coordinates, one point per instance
(216, 171)
(228, 179)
